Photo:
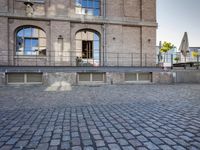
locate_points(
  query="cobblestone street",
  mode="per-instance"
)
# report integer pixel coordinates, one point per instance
(111, 117)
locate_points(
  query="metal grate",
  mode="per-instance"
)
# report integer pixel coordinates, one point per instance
(91, 77)
(144, 76)
(24, 78)
(130, 76)
(15, 78)
(35, 77)
(84, 76)
(98, 77)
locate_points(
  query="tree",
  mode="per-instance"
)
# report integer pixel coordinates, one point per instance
(177, 59)
(166, 46)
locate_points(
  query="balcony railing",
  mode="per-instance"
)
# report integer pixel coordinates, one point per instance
(76, 58)
(178, 60)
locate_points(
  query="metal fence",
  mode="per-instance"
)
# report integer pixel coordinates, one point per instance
(76, 58)
(178, 60)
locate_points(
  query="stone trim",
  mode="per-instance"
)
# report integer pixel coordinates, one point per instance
(85, 19)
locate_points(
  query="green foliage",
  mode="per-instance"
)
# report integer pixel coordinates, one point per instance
(176, 59)
(166, 47)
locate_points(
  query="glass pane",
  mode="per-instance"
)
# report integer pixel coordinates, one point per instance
(96, 12)
(90, 11)
(90, 4)
(96, 54)
(42, 33)
(84, 3)
(78, 2)
(96, 44)
(35, 32)
(96, 37)
(20, 33)
(27, 46)
(34, 43)
(83, 11)
(96, 4)
(19, 42)
(27, 32)
(42, 42)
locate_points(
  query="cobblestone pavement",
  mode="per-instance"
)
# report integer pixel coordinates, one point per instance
(124, 117)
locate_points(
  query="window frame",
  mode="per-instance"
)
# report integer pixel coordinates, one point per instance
(87, 7)
(41, 35)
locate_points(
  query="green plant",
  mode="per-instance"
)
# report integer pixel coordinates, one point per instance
(176, 59)
(166, 46)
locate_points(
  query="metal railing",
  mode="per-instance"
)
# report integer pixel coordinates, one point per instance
(178, 60)
(76, 58)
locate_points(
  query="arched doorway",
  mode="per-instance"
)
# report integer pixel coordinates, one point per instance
(88, 48)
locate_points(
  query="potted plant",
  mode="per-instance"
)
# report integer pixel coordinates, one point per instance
(176, 59)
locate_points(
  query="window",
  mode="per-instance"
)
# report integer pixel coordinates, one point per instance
(88, 7)
(88, 47)
(31, 41)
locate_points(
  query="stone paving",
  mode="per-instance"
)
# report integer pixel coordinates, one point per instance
(123, 117)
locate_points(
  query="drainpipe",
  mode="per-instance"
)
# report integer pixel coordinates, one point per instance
(104, 35)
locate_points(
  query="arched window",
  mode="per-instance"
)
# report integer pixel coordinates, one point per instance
(87, 7)
(88, 47)
(30, 41)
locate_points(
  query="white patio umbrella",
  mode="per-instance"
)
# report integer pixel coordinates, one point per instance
(184, 47)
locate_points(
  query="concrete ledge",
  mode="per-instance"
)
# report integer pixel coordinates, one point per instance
(64, 79)
(187, 76)
(163, 77)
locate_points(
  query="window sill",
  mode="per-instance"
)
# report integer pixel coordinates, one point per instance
(29, 57)
(34, 1)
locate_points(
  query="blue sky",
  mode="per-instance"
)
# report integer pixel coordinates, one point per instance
(175, 17)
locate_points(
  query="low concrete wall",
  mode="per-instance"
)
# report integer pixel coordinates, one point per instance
(114, 78)
(64, 79)
(163, 77)
(59, 78)
(2, 78)
(187, 77)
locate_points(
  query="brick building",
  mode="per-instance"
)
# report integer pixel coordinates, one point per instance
(78, 32)
(97, 31)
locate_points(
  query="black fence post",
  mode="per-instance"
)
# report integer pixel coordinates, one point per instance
(172, 58)
(198, 61)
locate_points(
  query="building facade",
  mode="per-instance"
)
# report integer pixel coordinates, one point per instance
(78, 32)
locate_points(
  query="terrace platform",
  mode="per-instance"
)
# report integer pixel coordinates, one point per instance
(77, 69)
